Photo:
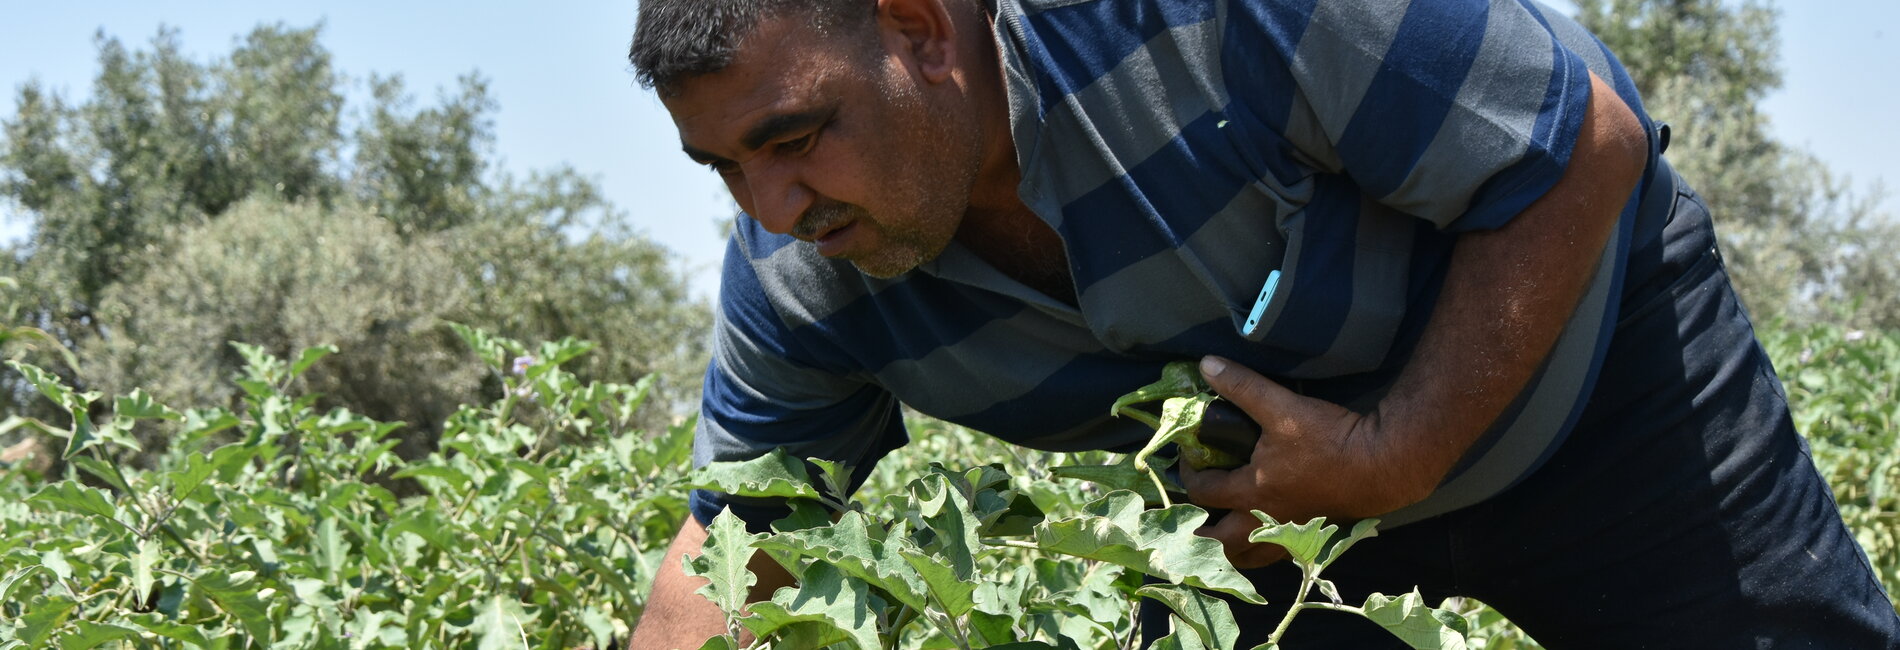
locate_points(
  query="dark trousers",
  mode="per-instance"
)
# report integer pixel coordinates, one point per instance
(1682, 512)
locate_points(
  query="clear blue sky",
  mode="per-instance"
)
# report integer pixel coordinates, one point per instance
(559, 74)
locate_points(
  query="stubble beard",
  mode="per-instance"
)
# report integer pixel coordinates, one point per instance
(933, 187)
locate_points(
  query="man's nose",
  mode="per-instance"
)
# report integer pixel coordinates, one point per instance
(779, 197)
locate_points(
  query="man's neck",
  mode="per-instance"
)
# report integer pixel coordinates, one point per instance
(1022, 246)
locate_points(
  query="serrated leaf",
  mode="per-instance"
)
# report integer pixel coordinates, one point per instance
(836, 477)
(332, 551)
(197, 469)
(1407, 618)
(14, 579)
(499, 624)
(943, 510)
(1303, 542)
(858, 548)
(429, 527)
(91, 635)
(101, 470)
(78, 499)
(1178, 379)
(41, 619)
(202, 422)
(954, 595)
(825, 596)
(776, 474)
(310, 356)
(1207, 617)
(1313, 545)
(1161, 543)
(722, 561)
(48, 385)
(140, 406)
(142, 564)
(238, 598)
(805, 514)
(81, 436)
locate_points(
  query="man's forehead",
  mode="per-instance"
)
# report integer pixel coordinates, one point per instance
(778, 71)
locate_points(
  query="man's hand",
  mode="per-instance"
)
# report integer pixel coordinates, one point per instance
(1314, 458)
(1508, 294)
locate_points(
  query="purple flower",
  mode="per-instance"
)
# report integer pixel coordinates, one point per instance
(522, 363)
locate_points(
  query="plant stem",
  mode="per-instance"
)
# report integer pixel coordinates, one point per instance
(1307, 579)
(904, 617)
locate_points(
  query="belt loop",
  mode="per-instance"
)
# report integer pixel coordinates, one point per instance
(1662, 137)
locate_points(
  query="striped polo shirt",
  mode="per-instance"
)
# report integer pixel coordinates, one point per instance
(1184, 150)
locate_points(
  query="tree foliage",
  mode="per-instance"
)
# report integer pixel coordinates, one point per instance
(1800, 241)
(184, 203)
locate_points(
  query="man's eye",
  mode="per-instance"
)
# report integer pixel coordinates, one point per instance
(800, 145)
(723, 166)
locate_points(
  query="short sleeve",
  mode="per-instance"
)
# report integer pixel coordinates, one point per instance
(764, 389)
(1462, 112)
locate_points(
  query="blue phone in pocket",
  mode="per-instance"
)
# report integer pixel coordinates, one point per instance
(1260, 304)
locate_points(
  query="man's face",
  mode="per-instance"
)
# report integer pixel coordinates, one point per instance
(833, 142)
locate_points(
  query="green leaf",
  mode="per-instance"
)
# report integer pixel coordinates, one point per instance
(1161, 543)
(722, 562)
(81, 436)
(15, 579)
(499, 624)
(1207, 617)
(234, 594)
(1302, 541)
(943, 510)
(825, 596)
(91, 635)
(1314, 544)
(1407, 618)
(140, 406)
(197, 469)
(430, 527)
(1178, 379)
(455, 478)
(955, 595)
(100, 469)
(142, 564)
(310, 356)
(203, 422)
(1122, 475)
(719, 643)
(332, 551)
(78, 499)
(857, 547)
(1183, 639)
(776, 474)
(42, 619)
(49, 385)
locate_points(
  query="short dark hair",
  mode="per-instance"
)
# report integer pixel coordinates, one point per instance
(676, 40)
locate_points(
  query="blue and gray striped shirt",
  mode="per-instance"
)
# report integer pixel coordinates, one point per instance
(1183, 150)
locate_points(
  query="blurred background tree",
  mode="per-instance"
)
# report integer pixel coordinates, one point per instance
(184, 204)
(1801, 242)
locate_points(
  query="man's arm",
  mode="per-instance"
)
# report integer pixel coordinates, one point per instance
(675, 616)
(1507, 295)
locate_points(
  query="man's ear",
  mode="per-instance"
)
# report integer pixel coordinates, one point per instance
(925, 35)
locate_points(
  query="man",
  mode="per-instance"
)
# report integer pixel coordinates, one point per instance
(1431, 247)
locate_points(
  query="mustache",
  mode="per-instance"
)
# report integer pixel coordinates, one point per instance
(822, 217)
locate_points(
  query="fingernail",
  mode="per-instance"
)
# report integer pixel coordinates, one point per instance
(1211, 367)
